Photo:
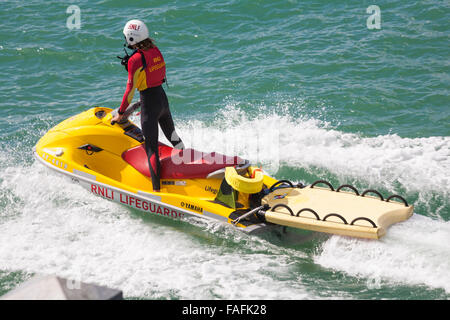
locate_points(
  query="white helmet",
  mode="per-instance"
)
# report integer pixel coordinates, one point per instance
(135, 31)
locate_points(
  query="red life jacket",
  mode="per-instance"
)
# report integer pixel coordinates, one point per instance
(146, 69)
(154, 69)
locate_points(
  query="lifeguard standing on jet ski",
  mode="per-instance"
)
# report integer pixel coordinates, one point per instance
(147, 72)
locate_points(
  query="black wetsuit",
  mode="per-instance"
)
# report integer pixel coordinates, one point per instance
(154, 110)
(147, 72)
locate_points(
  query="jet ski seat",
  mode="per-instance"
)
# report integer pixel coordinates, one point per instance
(181, 164)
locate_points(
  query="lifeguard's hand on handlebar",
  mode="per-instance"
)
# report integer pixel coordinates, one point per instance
(117, 118)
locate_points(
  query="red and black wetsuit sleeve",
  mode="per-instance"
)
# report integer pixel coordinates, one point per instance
(134, 68)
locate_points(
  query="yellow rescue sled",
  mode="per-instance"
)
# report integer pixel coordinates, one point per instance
(335, 211)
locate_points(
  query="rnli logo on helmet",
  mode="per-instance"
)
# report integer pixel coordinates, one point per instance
(133, 26)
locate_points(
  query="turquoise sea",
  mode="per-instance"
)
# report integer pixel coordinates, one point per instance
(346, 102)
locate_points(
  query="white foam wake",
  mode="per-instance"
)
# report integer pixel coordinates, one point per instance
(415, 252)
(416, 163)
(59, 228)
(62, 229)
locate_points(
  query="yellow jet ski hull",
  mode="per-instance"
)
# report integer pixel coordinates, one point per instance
(107, 175)
(90, 150)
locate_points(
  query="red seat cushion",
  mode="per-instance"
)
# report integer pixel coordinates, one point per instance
(180, 164)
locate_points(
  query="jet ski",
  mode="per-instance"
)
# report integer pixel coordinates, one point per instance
(109, 160)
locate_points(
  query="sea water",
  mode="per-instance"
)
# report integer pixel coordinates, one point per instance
(348, 92)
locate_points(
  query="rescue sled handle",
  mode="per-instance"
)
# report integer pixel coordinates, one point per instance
(289, 184)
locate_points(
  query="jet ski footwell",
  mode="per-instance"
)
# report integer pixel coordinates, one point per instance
(109, 161)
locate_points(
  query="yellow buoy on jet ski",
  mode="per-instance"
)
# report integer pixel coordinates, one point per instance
(109, 160)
